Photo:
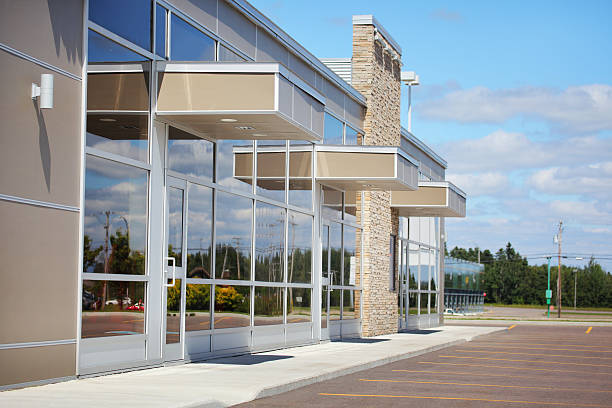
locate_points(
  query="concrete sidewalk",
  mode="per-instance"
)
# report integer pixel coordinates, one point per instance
(233, 380)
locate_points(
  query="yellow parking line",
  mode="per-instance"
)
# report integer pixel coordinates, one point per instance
(504, 367)
(541, 348)
(546, 344)
(132, 321)
(589, 330)
(529, 361)
(466, 373)
(531, 354)
(462, 399)
(511, 327)
(485, 385)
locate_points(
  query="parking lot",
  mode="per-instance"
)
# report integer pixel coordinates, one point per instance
(525, 365)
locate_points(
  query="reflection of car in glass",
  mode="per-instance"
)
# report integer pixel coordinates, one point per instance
(89, 300)
(137, 307)
(126, 301)
(449, 312)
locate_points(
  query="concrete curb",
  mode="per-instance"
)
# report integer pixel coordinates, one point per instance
(282, 388)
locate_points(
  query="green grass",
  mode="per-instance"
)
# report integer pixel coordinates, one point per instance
(524, 320)
(599, 309)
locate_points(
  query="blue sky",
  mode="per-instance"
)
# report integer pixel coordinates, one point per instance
(516, 95)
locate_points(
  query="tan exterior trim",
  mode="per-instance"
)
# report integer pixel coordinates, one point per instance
(440, 199)
(22, 365)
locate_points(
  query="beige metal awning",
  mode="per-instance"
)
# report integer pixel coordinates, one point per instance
(432, 199)
(349, 168)
(239, 101)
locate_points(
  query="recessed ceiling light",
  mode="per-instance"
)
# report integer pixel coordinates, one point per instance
(244, 127)
(229, 120)
(259, 135)
(107, 120)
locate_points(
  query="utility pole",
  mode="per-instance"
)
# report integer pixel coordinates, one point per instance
(575, 282)
(559, 274)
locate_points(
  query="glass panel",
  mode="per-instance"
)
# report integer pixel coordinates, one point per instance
(332, 204)
(335, 238)
(332, 130)
(112, 308)
(351, 261)
(187, 43)
(197, 315)
(352, 137)
(413, 228)
(232, 306)
(434, 305)
(125, 135)
(115, 220)
(225, 164)
(300, 175)
(298, 308)
(175, 225)
(348, 305)
(173, 313)
(413, 269)
(199, 232)
(433, 284)
(350, 205)
(299, 261)
(424, 269)
(233, 246)
(412, 303)
(268, 306)
(101, 49)
(269, 243)
(424, 300)
(324, 307)
(227, 55)
(334, 304)
(129, 19)
(160, 33)
(271, 165)
(191, 155)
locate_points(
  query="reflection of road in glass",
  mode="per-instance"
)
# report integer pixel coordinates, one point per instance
(299, 315)
(268, 320)
(105, 324)
(225, 320)
(173, 328)
(195, 321)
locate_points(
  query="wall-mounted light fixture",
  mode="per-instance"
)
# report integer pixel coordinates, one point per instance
(44, 91)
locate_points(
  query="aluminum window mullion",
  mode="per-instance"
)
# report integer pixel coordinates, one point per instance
(119, 40)
(114, 277)
(92, 151)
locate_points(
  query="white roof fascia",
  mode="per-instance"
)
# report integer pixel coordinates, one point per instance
(370, 20)
(260, 19)
(423, 147)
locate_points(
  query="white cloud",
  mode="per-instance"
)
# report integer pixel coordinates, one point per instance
(595, 180)
(583, 109)
(473, 184)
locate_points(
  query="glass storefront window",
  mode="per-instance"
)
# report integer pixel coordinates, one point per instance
(173, 312)
(232, 306)
(268, 306)
(332, 130)
(191, 155)
(350, 205)
(299, 256)
(413, 268)
(115, 232)
(175, 225)
(112, 308)
(335, 301)
(187, 43)
(348, 305)
(101, 49)
(233, 237)
(433, 284)
(433, 306)
(235, 172)
(197, 315)
(424, 269)
(352, 137)
(199, 233)
(128, 19)
(335, 244)
(300, 174)
(271, 166)
(269, 243)
(160, 33)
(332, 204)
(351, 261)
(424, 301)
(412, 303)
(298, 306)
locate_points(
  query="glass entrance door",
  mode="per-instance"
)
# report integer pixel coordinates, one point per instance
(174, 271)
(403, 285)
(325, 282)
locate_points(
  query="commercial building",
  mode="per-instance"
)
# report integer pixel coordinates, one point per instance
(182, 179)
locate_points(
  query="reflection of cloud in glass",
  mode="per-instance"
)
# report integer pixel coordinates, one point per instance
(122, 199)
(189, 154)
(299, 263)
(269, 242)
(225, 164)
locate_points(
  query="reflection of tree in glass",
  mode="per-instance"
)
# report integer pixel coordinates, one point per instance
(198, 264)
(231, 263)
(228, 299)
(89, 255)
(198, 297)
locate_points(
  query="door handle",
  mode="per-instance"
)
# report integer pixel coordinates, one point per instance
(166, 259)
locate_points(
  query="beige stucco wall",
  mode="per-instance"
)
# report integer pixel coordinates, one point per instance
(377, 77)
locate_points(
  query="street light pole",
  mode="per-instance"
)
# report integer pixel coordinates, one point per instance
(559, 274)
(548, 291)
(411, 79)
